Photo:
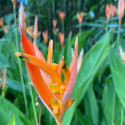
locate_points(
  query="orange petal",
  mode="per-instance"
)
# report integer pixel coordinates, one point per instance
(59, 70)
(73, 60)
(54, 66)
(40, 64)
(26, 43)
(71, 82)
(61, 38)
(38, 52)
(69, 103)
(120, 9)
(45, 36)
(50, 52)
(46, 77)
(107, 11)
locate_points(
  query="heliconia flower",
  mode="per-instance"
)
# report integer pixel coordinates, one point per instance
(107, 11)
(36, 32)
(80, 58)
(1, 22)
(122, 54)
(54, 23)
(14, 3)
(61, 38)
(121, 5)
(56, 94)
(45, 36)
(4, 28)
(62, 15)
(29, 30)
(80, 17)
(112, 10)
(22, 18)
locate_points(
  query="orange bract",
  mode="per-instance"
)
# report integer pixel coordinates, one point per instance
(45, 36)
(1, 22)
(62, 15)
(54, 23)
(120, 9)
(80, 17)
(110, 11)
(61, 38)
(46, 77)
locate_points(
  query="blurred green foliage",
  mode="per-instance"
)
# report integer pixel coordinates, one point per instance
(100, 84)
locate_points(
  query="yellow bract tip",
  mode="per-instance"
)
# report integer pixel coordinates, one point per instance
(18, 54)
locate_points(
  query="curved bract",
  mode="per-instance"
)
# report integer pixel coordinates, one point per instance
(47, 76)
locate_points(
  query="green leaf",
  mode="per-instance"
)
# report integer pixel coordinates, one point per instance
(83, 120)
(81, 37)
(91, 106)
(118, 75)
(108, 103)
(12, 120)
(91, 64)
(7, 110)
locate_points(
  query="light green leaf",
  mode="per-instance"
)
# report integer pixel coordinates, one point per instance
(6, 111)
(91, 106)
(12, 120)
(118, 75)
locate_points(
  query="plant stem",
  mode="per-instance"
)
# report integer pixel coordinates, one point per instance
(34, 110)
(63, 27)
(118, 37)
(53, 6)
(80, 29)
(106, 28)
(79, 4)
(19, 63)
(40, 113)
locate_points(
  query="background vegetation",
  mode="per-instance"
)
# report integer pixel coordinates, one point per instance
(100, 84)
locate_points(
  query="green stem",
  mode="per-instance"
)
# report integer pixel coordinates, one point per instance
(63, 27)
(40, 114)
(54, 38)
(80, 29)
(53, 5)
(106, 28)
(19, 63)
(122, 115)
(118, 37)
(34, 110)
(79, 4)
